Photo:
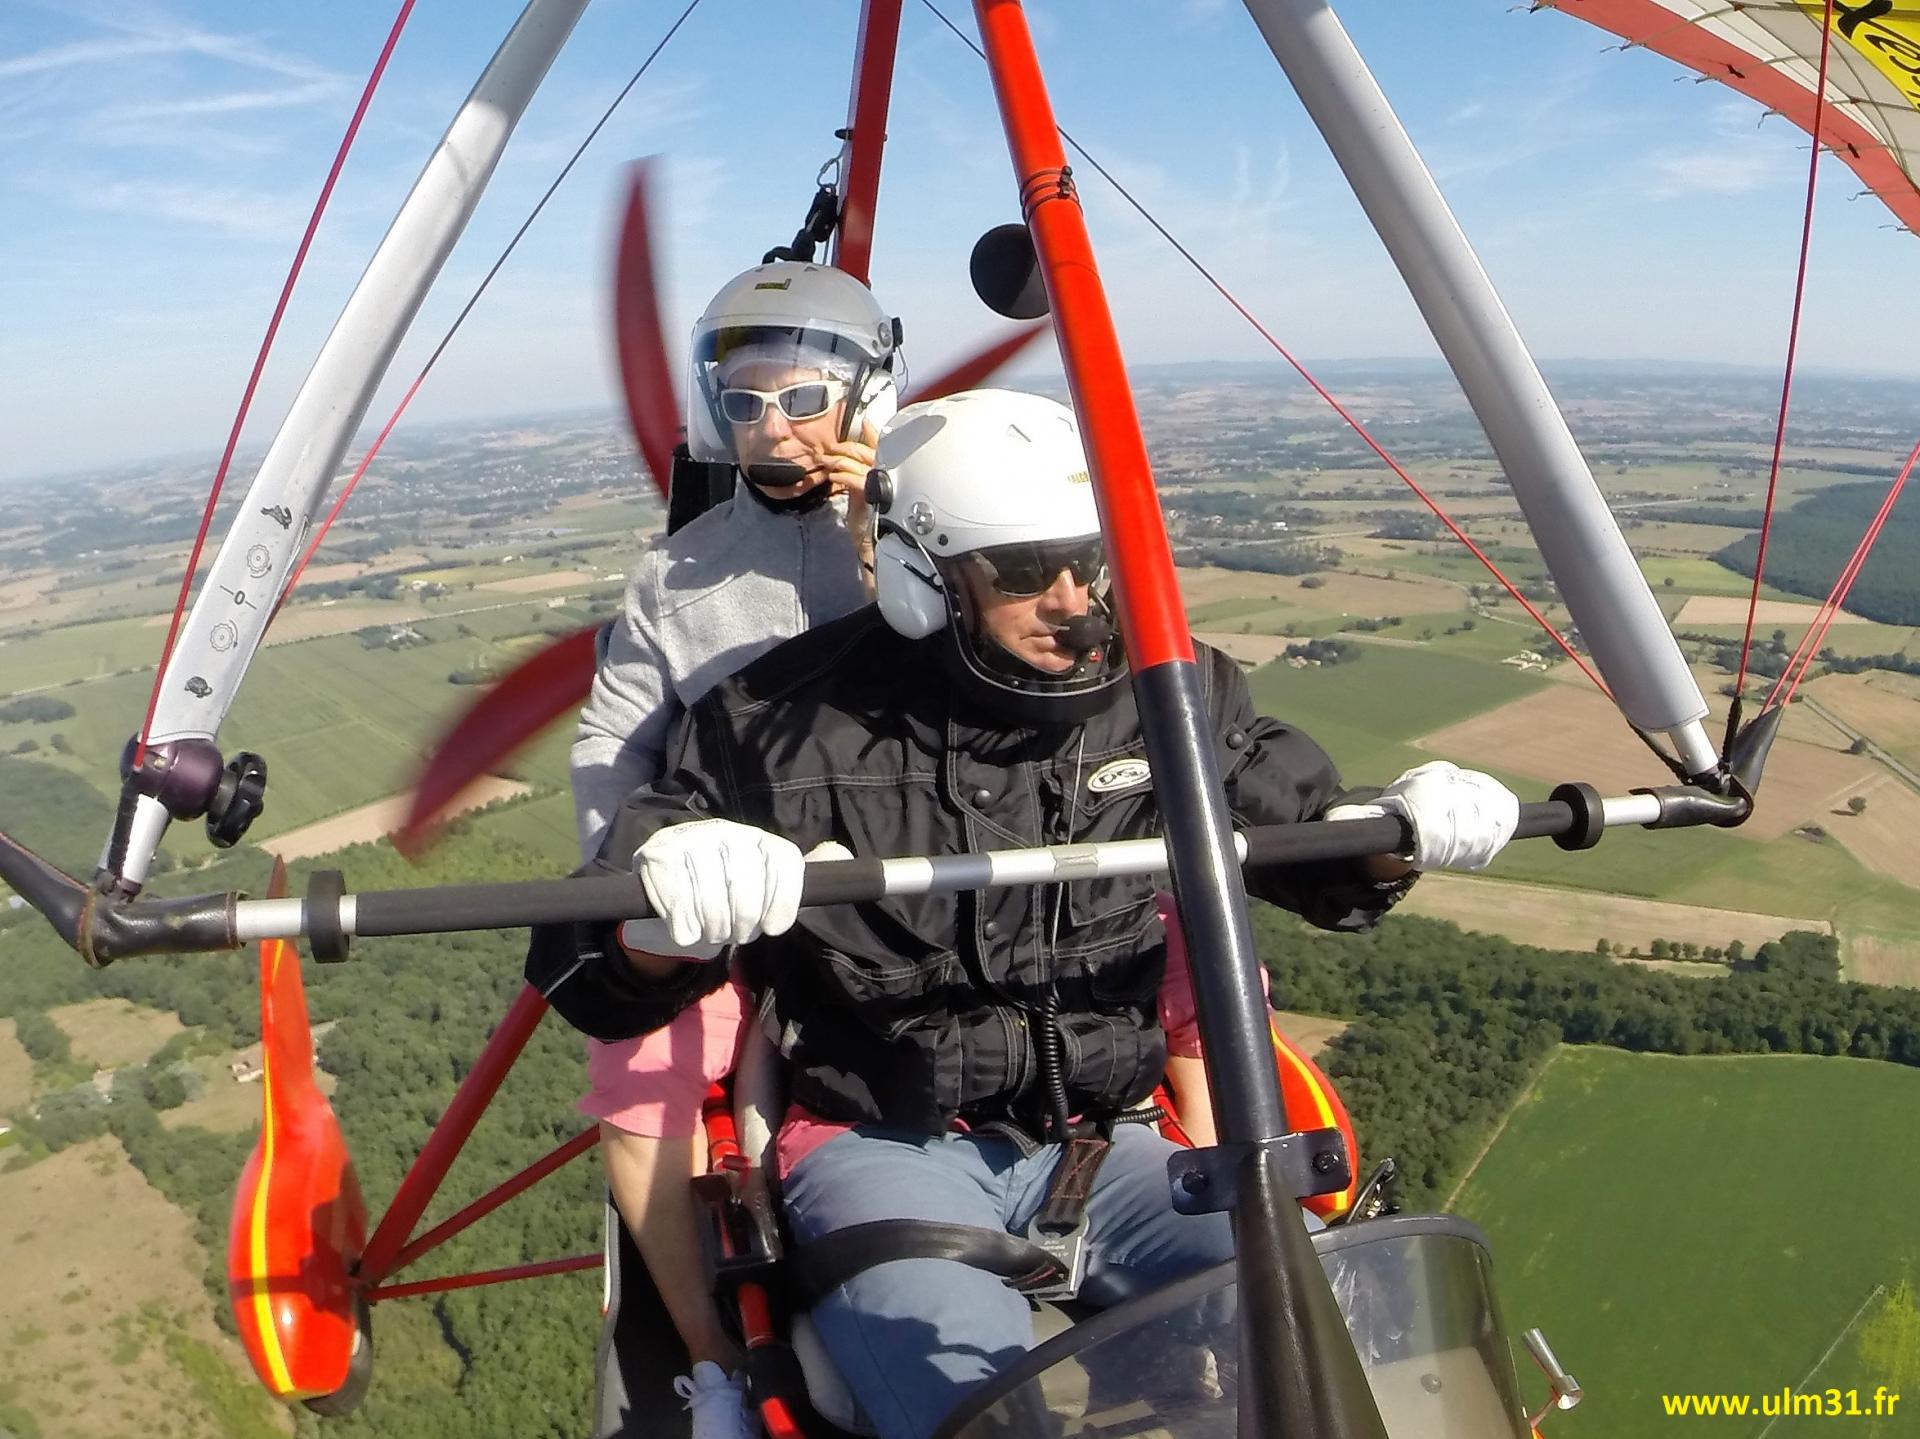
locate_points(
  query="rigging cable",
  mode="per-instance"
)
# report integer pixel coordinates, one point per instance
(1808, 649)
(259, 364)
(1352, 422)
(1786, 383)
(472, 300)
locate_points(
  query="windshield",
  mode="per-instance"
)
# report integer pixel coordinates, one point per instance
(1417, 1295)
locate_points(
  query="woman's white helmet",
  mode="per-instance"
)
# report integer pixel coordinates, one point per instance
(804, 316)
(997, 479)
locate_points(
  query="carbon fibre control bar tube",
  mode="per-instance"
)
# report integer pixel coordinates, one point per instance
(104, 929)
(1596, 572)
(244, 583)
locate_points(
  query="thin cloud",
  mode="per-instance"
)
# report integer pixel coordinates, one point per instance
(83, 53)
(233, 102)
(226, 210)
(1720, 170)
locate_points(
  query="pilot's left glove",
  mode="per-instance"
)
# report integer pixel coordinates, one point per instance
(714, 882)
(1461, 818)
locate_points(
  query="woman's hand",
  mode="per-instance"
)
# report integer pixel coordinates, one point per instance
(847, 464)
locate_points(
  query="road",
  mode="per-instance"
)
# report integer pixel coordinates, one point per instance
(1873, 750)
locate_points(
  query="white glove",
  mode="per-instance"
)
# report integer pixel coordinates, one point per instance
(1461, 818)
(713, 883)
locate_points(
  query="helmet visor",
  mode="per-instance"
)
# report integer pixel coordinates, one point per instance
(1028, 568)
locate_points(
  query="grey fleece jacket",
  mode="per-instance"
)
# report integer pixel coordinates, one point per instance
(703, 604)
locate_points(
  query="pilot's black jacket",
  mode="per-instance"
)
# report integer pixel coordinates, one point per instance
(913, 1010)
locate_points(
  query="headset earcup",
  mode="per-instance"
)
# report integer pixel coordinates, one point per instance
(912, 604)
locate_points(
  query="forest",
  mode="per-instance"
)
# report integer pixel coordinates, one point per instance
(1449, 1027)
(1812, 542)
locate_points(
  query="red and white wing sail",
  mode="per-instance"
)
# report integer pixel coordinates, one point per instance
(1770, 50)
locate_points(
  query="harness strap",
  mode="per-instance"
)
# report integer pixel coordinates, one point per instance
(1065, 1208)
(824, 1264)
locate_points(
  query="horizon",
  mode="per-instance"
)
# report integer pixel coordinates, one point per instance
(249, 454)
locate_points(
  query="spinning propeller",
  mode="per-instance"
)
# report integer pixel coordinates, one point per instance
(556, 680)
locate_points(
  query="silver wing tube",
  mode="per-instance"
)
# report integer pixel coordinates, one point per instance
(251, 570)
(1578, 537)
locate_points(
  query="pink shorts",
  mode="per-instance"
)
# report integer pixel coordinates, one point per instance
(1177, 1013)
(654, 1085)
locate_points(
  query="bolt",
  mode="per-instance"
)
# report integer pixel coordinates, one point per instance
(1325, 1162)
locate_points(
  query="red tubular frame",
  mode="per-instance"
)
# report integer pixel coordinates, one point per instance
(1152, 615)
(571, 1265)
(866, 135)
(499, 1195)
(443, 1146)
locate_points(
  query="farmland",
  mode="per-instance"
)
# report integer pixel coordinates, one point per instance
(1645, 1210)
(519, 534)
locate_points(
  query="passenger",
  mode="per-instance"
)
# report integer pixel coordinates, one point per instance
(939, 1045)
(794, 369)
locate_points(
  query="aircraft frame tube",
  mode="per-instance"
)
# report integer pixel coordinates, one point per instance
(245, 581)
(866, 132)
(1577, 534)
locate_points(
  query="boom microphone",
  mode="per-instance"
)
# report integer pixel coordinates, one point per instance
(1083, 634)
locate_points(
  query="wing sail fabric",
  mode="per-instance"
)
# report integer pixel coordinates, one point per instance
(1769, 50)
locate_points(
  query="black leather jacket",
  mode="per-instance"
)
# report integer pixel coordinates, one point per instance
(916, 1009)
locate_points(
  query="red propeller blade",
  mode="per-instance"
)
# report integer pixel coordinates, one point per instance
(529, 697)
(646, 373)
(974, 369)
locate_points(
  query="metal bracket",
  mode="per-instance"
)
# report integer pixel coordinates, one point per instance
(1205, 1181)
(1069, 1250)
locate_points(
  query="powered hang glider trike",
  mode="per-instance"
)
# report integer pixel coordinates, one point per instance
(1380, 1324)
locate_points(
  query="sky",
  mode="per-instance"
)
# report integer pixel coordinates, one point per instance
(158, 159)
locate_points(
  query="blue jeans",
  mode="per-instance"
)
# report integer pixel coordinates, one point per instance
(912, 1336)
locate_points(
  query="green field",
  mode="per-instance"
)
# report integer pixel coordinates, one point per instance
(1364, 712)
(1654, 1272)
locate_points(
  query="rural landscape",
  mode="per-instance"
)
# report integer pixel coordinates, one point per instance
(1673, 1077)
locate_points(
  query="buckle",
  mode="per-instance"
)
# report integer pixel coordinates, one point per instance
(1068, 1250)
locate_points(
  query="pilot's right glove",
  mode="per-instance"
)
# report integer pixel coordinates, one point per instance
(1460, 818)
(713, 883)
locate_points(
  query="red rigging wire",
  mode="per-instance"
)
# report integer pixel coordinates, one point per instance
(259, 364)
(1809, 647)
(1319, 389)
(467, 309)
(1793, 346)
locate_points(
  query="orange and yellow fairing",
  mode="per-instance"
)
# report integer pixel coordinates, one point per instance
(298, 1217)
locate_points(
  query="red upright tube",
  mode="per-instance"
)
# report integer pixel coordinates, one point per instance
(443, 1146)
(1152, 616)
(866, 135)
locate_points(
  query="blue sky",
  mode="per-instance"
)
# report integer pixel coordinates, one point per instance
(158, 159)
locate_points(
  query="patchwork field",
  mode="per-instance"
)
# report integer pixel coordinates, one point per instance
(1883, 959)
(540, 584)
(109, 1033)
(1564, 733)
(1884, 836)
(1248, 649)
(1667, 1222)
(1312, 1032)
(1567, 919)
(375, 821)
(1884, 707)
(103, 1302)
(1369, 712)
(1359, 595)
(1704, 610)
